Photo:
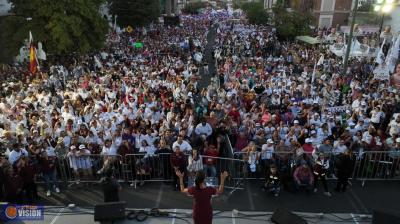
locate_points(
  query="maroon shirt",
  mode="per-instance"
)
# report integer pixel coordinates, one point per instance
(212, 152)
(28, 173)
(178, 160)
(202, 209)
(13, 185)
(48, 165)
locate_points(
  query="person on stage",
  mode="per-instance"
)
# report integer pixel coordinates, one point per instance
(202, 210)
(111, 187)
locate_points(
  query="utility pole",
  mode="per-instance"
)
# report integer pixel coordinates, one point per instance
(350, 40)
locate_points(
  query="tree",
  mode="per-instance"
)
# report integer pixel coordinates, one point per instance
(291, 24)
(194, 7)
(255, 12)
(63, 26)
(288, 24)
(135, 13)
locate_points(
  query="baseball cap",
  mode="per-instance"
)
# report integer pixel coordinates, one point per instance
(272, 142)
(82, 146)
(296, 122)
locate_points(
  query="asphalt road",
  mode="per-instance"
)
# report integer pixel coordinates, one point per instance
(358, 199)
(209, 58)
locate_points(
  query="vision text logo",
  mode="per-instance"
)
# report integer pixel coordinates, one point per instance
(22, 212)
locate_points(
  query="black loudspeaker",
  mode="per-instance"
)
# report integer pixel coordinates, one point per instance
(283, 216)
(109, 211)
(171, 20)
(379, 217)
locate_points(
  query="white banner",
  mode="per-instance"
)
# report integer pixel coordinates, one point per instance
(381, 73)
(338, 109)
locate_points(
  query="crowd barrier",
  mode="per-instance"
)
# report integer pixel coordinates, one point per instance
(137, 169)
(141, 168)
(368, 165)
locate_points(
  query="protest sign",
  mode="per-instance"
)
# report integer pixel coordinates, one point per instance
(381, 73)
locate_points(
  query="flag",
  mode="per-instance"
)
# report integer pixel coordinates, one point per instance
(393, 55)
(33, 62)
(381, 56)
(321, 60)
(313, 74)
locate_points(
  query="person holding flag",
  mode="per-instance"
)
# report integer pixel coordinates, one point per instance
(33, 61)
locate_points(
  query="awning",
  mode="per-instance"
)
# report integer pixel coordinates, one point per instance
(308, 39)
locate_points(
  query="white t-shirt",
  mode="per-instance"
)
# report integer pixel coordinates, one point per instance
(111, 151)
(185, 146)
(14, 155)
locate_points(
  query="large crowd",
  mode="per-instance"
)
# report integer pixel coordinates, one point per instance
(88, 114)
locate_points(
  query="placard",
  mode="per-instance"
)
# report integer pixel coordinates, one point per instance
(381, 73)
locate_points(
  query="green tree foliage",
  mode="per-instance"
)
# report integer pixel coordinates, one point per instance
(255, 12)
(135, 13)
(291, 24)
(365, 6)
(288, 24)
(194, 7)
(63, 26)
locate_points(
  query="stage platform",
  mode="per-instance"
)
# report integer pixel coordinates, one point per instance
(66, 215)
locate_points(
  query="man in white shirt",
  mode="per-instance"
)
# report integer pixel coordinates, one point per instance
(339, 147)
(108, 148)
(17, 153)
(203, 128)
(183, 145)
(376, 116)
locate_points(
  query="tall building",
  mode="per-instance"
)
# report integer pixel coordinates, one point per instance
(330, 13)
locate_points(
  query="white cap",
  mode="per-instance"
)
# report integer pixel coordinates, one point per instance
(313, 132)
(272, 142)
(308, 140)
(347, 111)
(398, 140)
(296, 121)
(82, 146)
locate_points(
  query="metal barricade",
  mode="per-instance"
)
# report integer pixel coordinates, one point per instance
(233, 166)
(142, 168)
(255, 166)
(74, 169)
(377, 165)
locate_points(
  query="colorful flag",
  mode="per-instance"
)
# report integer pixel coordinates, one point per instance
(33, 63)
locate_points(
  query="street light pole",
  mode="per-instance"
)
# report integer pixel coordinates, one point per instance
(381, 24)
(350, 40)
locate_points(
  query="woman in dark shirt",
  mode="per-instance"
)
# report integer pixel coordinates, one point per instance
(202, 210)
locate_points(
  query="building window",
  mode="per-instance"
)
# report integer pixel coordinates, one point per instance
(327, 5)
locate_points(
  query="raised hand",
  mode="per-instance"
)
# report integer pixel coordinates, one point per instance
(179, 173)
(224, 175)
